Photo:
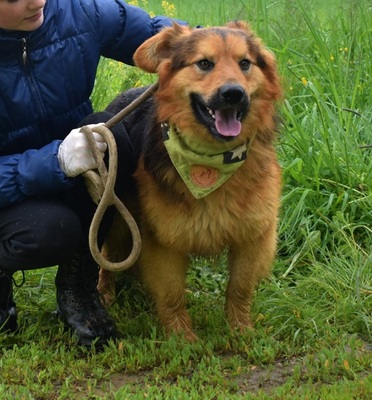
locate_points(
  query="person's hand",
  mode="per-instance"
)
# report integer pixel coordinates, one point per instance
(74, 154)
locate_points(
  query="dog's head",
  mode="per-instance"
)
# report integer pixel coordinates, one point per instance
(219, 82)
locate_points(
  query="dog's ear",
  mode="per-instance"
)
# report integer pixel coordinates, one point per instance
(266, 61)
(159, 47)
(238, 24)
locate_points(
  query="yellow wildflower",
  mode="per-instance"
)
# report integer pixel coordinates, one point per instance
(346, 365)
(143, 3)
(169, 9)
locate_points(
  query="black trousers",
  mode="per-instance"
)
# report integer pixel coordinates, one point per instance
(43, 232)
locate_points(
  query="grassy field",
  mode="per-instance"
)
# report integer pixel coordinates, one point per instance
(313, 318)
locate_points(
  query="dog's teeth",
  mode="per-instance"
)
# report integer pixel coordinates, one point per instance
(211, 113)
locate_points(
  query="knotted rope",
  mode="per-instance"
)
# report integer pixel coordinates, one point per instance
(100, 184)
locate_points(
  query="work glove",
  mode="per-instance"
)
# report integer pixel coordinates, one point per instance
(74, 154)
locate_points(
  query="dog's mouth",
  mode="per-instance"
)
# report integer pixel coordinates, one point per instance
(223, 120)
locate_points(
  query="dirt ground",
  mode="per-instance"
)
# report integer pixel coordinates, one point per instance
(265, 378)
(257, 378)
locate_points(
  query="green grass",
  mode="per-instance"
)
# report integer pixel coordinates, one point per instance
(313, 317)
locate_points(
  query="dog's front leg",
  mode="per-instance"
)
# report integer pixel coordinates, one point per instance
(163, 272)
(248, 264)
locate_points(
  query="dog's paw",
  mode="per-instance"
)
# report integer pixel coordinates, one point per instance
(239, 319)
(188, 336)
(181, 326)
(107, 298)
(241, 327)
(107, 287)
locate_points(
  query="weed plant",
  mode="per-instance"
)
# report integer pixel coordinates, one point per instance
(313, 317)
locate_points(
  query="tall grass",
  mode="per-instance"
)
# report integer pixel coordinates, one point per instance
(326, 223)
(313, 317)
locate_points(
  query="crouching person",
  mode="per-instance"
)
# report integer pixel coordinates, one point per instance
(49, 53)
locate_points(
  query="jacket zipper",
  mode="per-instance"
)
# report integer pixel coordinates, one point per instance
(33, 86)
(24, 51)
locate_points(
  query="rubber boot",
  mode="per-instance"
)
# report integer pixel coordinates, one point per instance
(79, 304)
(8, 311)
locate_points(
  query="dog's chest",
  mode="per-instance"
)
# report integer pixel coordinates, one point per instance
(237, 212)
(202, 227)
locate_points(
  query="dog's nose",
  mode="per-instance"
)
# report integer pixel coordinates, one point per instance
(232, 94)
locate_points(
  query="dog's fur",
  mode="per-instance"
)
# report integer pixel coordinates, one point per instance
(195, 70)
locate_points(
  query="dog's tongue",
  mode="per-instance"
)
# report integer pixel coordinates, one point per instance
(226, 122)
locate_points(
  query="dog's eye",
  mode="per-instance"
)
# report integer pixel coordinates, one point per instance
(205, 65)
(245, 65)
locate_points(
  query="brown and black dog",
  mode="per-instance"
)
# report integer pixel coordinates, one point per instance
(207, 177)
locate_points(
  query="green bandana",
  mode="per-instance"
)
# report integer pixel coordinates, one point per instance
(202, 170)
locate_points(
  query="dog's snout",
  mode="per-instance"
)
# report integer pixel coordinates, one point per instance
(232, 94)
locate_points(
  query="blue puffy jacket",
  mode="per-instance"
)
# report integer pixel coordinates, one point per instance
(46, 78)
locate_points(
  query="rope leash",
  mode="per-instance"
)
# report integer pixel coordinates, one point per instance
(100, 184)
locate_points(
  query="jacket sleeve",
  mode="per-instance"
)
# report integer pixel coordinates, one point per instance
(122, 28)
(34, 173)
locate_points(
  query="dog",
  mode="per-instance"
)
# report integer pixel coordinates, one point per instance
(207, 177)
